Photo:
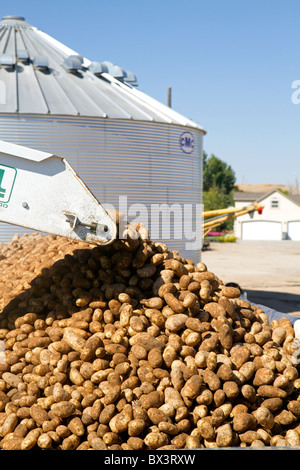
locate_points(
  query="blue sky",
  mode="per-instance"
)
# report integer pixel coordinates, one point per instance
(230, 63)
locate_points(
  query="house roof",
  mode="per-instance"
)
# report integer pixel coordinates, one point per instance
(294, 198)
(40, 75)
(259, 197)
(247, 196)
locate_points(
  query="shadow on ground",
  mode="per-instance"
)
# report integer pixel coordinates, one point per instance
(280, 301)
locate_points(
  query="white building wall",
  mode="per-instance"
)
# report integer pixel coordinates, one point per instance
(286, 211)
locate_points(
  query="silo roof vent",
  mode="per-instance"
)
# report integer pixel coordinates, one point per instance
(73, 63)
(98, 68)
(7, 60)
(41, 63)
(125, 76)
(22, 56)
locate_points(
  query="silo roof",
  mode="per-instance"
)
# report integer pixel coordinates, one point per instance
(40, 75)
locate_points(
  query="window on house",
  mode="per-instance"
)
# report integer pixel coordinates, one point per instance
(274, 203)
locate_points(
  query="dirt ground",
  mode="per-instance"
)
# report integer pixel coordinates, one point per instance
(268, 271)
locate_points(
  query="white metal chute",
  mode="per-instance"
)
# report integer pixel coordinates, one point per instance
(41, 191)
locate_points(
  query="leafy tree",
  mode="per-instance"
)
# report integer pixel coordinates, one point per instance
(215, 198)
(217, 173)
(218, 185)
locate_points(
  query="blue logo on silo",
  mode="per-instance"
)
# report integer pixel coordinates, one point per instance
(187, 142)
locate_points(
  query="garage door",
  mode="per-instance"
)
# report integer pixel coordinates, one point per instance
(294, 230)
(261, 230)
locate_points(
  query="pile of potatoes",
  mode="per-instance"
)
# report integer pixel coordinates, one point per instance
(23, 258)
(132, 347)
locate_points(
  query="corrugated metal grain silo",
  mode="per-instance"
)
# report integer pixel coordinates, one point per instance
(124, 145)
